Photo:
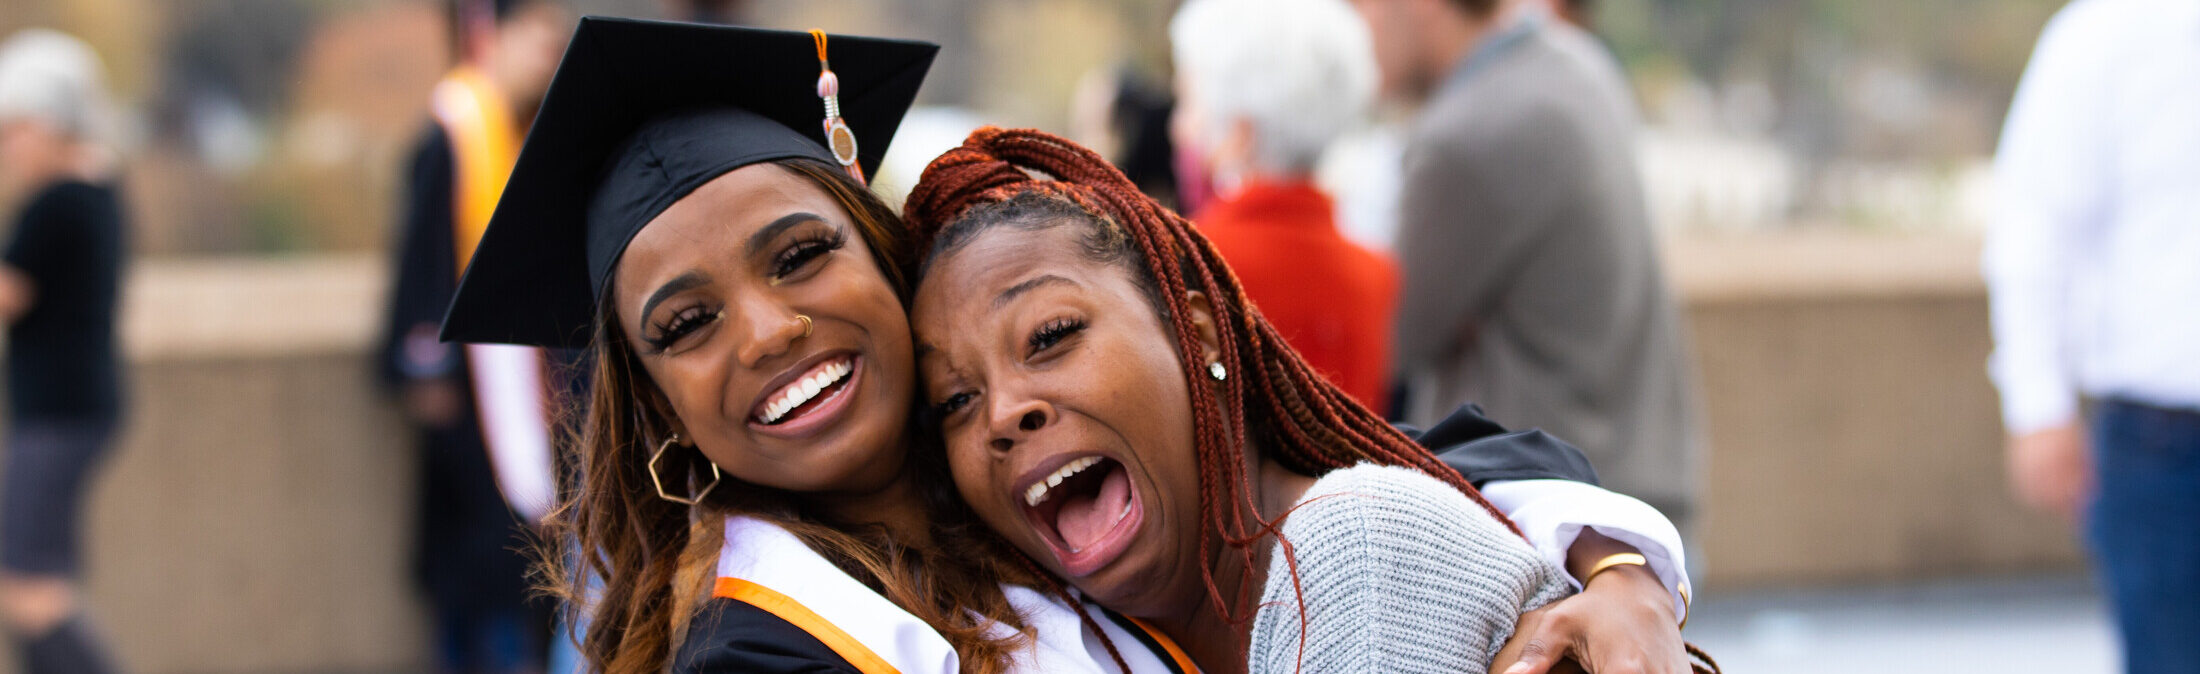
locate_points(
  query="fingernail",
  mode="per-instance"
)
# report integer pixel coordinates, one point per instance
(1520, 667)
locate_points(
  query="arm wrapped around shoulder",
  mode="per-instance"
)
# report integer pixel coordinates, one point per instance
(1396, 572)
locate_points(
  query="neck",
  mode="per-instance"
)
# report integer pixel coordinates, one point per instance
(899, 506)
(1216, 642)
(506, 93)
(1277, 179)
(516, 104)
(1454, 40)
(25, 181)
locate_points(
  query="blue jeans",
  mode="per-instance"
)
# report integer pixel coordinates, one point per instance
(2144, 528)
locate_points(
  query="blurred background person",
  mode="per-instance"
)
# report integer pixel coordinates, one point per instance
(481, 410)
(1567, 24)
(728, 12)
(58, 289)
(1579, 13)
(2093, 260)
(1531, 279)
(1124, 115)
(1262, 88)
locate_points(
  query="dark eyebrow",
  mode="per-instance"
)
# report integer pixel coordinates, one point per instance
(680, 283)
(764, 235)
(1028, 285)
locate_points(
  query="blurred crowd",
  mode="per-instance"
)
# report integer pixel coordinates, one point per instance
(1497, 249)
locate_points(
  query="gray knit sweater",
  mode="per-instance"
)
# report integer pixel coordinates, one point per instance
(1400, 573)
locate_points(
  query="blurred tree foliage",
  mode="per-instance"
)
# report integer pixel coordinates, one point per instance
(1809, 51)
(1986, 40)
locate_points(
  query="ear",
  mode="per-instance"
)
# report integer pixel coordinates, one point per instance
(1237, 142)
(1202, 317)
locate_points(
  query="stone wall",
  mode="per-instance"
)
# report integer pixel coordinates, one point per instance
(1854, 435)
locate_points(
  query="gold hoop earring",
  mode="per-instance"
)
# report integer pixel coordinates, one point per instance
(660, 483)
(805, 324)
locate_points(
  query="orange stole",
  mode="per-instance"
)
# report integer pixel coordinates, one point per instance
(786, 608)
(1176, 654)
(808, 621)
(484, 146)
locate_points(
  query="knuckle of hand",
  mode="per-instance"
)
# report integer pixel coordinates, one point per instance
(1564, 622)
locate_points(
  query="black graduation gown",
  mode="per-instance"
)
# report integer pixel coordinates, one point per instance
(735, 636)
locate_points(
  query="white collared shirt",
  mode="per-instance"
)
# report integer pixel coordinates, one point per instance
(2094, 253)
(1553, 513)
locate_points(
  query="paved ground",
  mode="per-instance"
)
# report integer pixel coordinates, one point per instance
(2001, 626)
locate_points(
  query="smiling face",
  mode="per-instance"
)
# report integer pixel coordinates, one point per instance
(709, 293)
(1066, 413)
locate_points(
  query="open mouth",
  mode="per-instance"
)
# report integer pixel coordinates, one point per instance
(810, 399)
(1086, 510)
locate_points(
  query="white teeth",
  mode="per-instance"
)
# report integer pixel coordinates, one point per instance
(1037, 492)
(802, 390)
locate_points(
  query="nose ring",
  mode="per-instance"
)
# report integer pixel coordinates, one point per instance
(805, 324)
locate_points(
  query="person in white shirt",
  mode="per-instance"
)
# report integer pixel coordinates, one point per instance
(2094, 265)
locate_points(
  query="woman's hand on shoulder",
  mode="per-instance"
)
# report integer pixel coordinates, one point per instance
(1621, 623)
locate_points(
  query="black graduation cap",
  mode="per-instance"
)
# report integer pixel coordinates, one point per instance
(639, 114)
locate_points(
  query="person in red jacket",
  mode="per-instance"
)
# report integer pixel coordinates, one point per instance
(1260, 95)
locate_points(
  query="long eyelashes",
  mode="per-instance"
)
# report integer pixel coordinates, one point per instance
(805, 250)
(680, 325)
(941, 410)
(1053, 332)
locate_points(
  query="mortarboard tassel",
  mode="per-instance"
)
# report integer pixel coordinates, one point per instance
(838, 137)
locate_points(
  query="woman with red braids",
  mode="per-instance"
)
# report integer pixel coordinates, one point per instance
(1113, 406)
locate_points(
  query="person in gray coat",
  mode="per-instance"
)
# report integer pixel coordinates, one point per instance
(1531, 278)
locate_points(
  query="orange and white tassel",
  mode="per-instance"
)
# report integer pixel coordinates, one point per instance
(838, 137)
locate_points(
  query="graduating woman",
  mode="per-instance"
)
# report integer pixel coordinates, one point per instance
(748, 491)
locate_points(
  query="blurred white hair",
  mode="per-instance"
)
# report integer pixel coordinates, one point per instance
(1301, 71)
(53, 77)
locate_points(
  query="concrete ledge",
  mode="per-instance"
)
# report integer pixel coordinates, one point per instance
(1728, 268)
(240, 307)
(1854, 435)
